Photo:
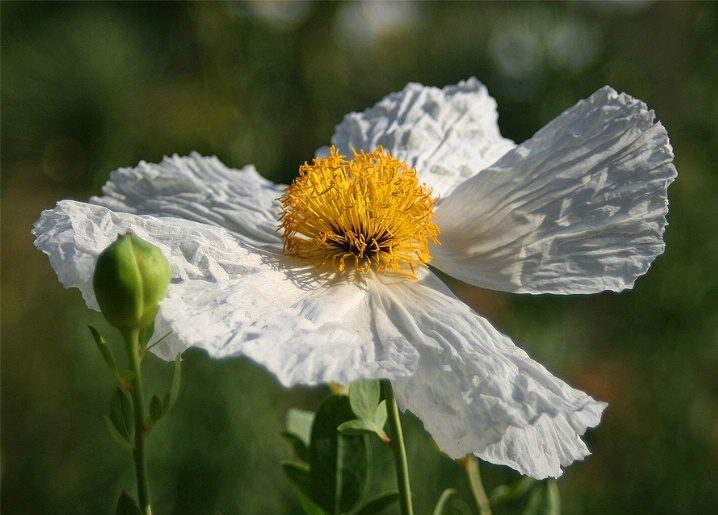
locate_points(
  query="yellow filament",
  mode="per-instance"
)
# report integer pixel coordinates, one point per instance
(369, 212)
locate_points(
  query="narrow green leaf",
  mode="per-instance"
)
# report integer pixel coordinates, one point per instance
(156, 408)
(158, 340)
(299, 475)
(121, 414)
(299, 423)
(364, 397)
(105, 351)
(309, 506)
(300, 448)
(174, 387)
(443, 499)
(544, 500)
(378, 503)
(117, 436)
(126, 505)
(339, 463)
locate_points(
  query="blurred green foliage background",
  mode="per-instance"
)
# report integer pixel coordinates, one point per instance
(90, 87)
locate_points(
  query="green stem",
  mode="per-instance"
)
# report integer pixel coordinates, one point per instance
(131, 337)
(471, 465)
(400, 462)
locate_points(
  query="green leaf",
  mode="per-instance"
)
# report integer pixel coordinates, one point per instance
(156, 408)
(299, 424)
(380, 416)
(545, 499)
(171, 397)
(339, 463)
(364, 397)
(378, 503)
(121, 415)
(309, 506)
(299, 474)
(126, 505)
(105, 351)
(300, 448)
(374, 425)
(159, 340)
(443, 499)
(116, 435)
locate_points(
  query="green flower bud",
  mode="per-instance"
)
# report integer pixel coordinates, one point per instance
(131, 278)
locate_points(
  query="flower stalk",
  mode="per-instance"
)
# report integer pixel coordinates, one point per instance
(132, 345)
(399, 450)
(471, 466)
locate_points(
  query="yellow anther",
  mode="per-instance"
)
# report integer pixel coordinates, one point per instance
(369, 210)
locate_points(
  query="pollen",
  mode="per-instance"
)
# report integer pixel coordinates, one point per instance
(367, 212)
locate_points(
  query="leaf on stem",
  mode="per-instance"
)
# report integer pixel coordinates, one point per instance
(157, 409)
(106, 354)
(160, 339)
(299, 423)
(364, 396)
(339, 463)
(121, 421)
(300, 476)
(374, 424)
(299, 430)
(371, 415)
(299, 447)
(171, 396)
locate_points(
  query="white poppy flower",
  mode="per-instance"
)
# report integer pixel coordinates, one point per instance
(579, 208)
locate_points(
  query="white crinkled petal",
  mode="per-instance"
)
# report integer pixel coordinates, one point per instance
(74, 233)
(447, 134)
(303, 335)
(476, 392)
(578, 208)
(201, 189)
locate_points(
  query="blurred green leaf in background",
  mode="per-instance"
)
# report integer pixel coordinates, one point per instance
(88, 87)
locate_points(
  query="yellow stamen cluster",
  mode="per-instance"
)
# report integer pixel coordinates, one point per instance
(369, 212)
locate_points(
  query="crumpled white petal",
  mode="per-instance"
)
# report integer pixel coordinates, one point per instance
(304, 334)
(578, 208)
(476, 392)
(446, 134)
(201, 189)
(74, 233)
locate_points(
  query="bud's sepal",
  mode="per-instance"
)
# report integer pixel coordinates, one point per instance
(131, 278)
